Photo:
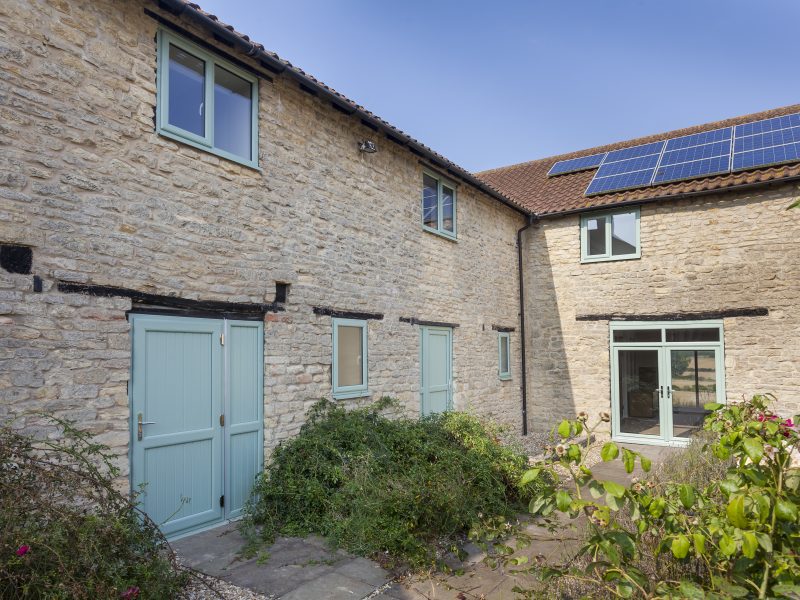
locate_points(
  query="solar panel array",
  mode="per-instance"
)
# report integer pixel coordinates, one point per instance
(729, 149)
(574, 165)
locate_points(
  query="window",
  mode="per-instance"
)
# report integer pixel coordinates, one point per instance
(349, 358)
(610, 236)
(504, 340)
(206, 102)
(438, 205)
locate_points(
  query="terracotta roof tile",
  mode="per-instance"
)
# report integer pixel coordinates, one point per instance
(529, 185)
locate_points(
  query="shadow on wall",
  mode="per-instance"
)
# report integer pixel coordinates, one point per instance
(550, 395)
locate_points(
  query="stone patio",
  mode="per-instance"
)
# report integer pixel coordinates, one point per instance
(308, 569)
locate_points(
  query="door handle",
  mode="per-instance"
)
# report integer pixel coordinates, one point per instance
(661, 391)
(139, 426)
(669, 391)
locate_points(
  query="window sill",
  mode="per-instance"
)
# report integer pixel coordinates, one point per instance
(504, 377)
(216, 152)
(442, 234)
(351, 394)
(585, 260)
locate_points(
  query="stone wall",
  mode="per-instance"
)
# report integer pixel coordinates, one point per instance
(712, 253)
(103, 200)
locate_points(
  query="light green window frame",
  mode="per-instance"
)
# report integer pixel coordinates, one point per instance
(206, 141)
(591, 222)
(504, 355)
(441, 227)
(343, 389)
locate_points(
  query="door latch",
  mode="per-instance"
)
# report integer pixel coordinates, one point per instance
(222, 420)
(139, 426)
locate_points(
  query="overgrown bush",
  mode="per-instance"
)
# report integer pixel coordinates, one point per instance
(729, 530)
(66, 532)
(400, 489)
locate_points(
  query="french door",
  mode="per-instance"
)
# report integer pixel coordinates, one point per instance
(662, 375)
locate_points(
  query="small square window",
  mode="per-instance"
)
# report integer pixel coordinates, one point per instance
(504, 355)
(206, 102)
(610, 236)
(349, 358)
(438, 205)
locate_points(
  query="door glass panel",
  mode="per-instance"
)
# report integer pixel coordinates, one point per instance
(349, 356)
(638, 392)
(430, 206)
(596, 236)
(699, 334)
(448, 222)
(186, 91)
(693, 384)
(232, 113)
(637, 335)
(623, 234)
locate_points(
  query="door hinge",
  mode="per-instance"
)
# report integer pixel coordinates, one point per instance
(222, 420)
(222, 501)
(222, 339)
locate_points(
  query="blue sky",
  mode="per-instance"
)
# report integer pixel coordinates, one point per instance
(490, 83)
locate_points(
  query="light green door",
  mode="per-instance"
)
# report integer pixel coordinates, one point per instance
(196, 418)
(437, 369)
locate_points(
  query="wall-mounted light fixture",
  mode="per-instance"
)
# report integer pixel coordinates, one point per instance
(367, 146)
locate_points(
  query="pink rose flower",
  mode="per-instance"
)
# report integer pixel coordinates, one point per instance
(23, 550)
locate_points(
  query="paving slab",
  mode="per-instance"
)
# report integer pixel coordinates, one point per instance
(333, 586)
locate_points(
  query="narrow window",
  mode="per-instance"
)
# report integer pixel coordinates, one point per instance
(206, 102)
(610, 236)
(349, 358)
(504, 355)
(438, 205)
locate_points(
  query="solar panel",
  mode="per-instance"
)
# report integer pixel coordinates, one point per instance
(576, 164)
(696, 155)
(768, 142)
(626, 168)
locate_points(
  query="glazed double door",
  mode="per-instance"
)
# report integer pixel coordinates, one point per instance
(196, 418)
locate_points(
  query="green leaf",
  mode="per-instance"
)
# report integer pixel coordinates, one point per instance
(786, 510)
(735, 591)
(680, 546)
(610, 451)
(735, 512)
(625, 589)
(613, 503)
(764, 541)
(646, 463)
(563, 500)
(691, 591)
(712, 405)
(530, 475)
(563, 429)
(595, 489)
(614, 489)
(574, 452)
(753, 448)
(727, 545)
(749, 544)
(699, 542)
(728, 486)
(629, 460)
(686, 495)
(656, 507)
(786, 589)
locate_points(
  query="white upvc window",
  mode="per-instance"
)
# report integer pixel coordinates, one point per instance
(349, 358)
(504, 355)
(438, 205)
(205, 101)
(610, 235)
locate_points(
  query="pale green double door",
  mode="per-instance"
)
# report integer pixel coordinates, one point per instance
(196, 418)
(436, 359)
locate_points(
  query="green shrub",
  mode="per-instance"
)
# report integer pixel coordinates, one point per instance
(66, 532)
(400, 489)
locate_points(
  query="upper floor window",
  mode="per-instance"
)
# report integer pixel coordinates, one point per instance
(349, 358)
(205, 101)
(438, 205)
(610, 235)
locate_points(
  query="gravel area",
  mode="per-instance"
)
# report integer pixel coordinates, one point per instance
(205, 587)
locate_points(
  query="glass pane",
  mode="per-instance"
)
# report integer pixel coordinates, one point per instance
(448, 209)
(638, 392)
(596, 236)
(504, 367)
(349, 355)
(623, 234)
(701, 334)
(186, 91)
(637, 335)
(233, 105)
(694, 383)
(430, 206)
